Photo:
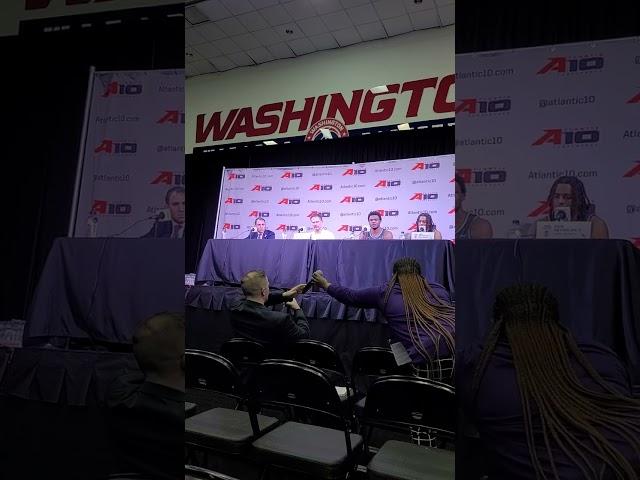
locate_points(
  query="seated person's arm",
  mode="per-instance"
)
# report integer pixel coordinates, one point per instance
(296, 326)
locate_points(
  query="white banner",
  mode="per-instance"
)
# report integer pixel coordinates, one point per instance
(333, 90)
(134, 151)
(527, 117)
(343, 195)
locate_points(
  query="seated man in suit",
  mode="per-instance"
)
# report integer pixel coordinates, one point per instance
(261, 233)
(251, 319)
(146, 409)
(174, 226)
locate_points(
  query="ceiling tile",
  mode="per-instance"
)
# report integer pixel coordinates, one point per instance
(238, 7)
(190, 71)
(207, 50)
(276, 15)
(241, 59)
(246, 41)
(281, 50)
(302, 46)
(425, 19)
(312, 26)
(441, 3)
(362, 14)
(389, 8)
(324, 41)
(347, 36)
(192, 37)
(252, 21)
(291, 27)
(260, 55)
(268, 36)
(326, 6)
(299, 9)
(231, 26)
(203, 66)
(258, 4)
(226, 46)
(214, 10)
(222, 63)
(372, 31)
(447, 14)
(353, 3)
(411, 6)
(210, 31)
(191, 55)
(337, 20)
(397, 25)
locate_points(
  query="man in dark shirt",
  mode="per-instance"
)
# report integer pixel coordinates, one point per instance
(146, 410)
(251, 319)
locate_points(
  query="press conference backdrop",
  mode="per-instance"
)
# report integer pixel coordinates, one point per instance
(527, 116)
(342, 195)
(134, 150)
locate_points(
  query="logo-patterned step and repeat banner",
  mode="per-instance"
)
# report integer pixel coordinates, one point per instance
(527, 117)
(342, 195)
(134, 151)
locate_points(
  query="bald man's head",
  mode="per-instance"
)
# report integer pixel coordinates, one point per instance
(255, 284)
(158, 344)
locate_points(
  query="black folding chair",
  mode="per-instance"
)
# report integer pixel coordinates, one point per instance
(369, 364)
(244, 354)
(323, 446)
(222, 430)
(324, 356)
(399, 403)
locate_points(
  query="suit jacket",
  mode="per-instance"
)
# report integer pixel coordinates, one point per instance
(267, 235)
(256, 322)
(161, 229)
(146, 427)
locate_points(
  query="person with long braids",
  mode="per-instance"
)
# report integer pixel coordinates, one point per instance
(419, 315)
(546, 406)
(570, 192)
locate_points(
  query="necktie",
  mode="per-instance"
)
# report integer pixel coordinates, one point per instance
(177, 230)
(259, 236)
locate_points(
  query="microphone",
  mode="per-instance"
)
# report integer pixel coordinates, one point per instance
(310, 283)
(301, 229)
(161, 215)
(92, 222)
(422, 229)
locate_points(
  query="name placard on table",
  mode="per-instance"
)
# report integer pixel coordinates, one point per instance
(563, 230)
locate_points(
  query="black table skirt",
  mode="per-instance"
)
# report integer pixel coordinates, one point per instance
(597, 283)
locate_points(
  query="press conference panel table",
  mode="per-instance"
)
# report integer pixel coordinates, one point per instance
(353, 263)
(101, 288)
(597, 283)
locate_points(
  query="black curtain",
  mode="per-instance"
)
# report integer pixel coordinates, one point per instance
(498, 25)
(44, 82)
(204, 170)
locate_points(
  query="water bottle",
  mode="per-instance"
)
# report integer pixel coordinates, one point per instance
(515, 231)
(92, 223)
(402, 237)
(284, 235)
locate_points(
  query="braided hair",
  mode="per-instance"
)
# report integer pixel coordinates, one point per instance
(434, 318)
(431, 227)
(572, 417)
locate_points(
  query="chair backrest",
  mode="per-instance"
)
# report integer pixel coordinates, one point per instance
(192, 472)
(369, 363)
(317, 354)
(398, 401)
(210, 371)
(242, 352)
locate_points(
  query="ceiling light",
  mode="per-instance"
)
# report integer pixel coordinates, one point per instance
(379, 89)
(404, 126)
(270, 142)
(326, 133)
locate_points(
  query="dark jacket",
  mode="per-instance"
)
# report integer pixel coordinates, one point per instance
(160, 230)
(267, 235)
(256, 322)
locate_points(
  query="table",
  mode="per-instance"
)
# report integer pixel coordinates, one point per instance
(597, 284)
(102, 288)
(357, 264)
